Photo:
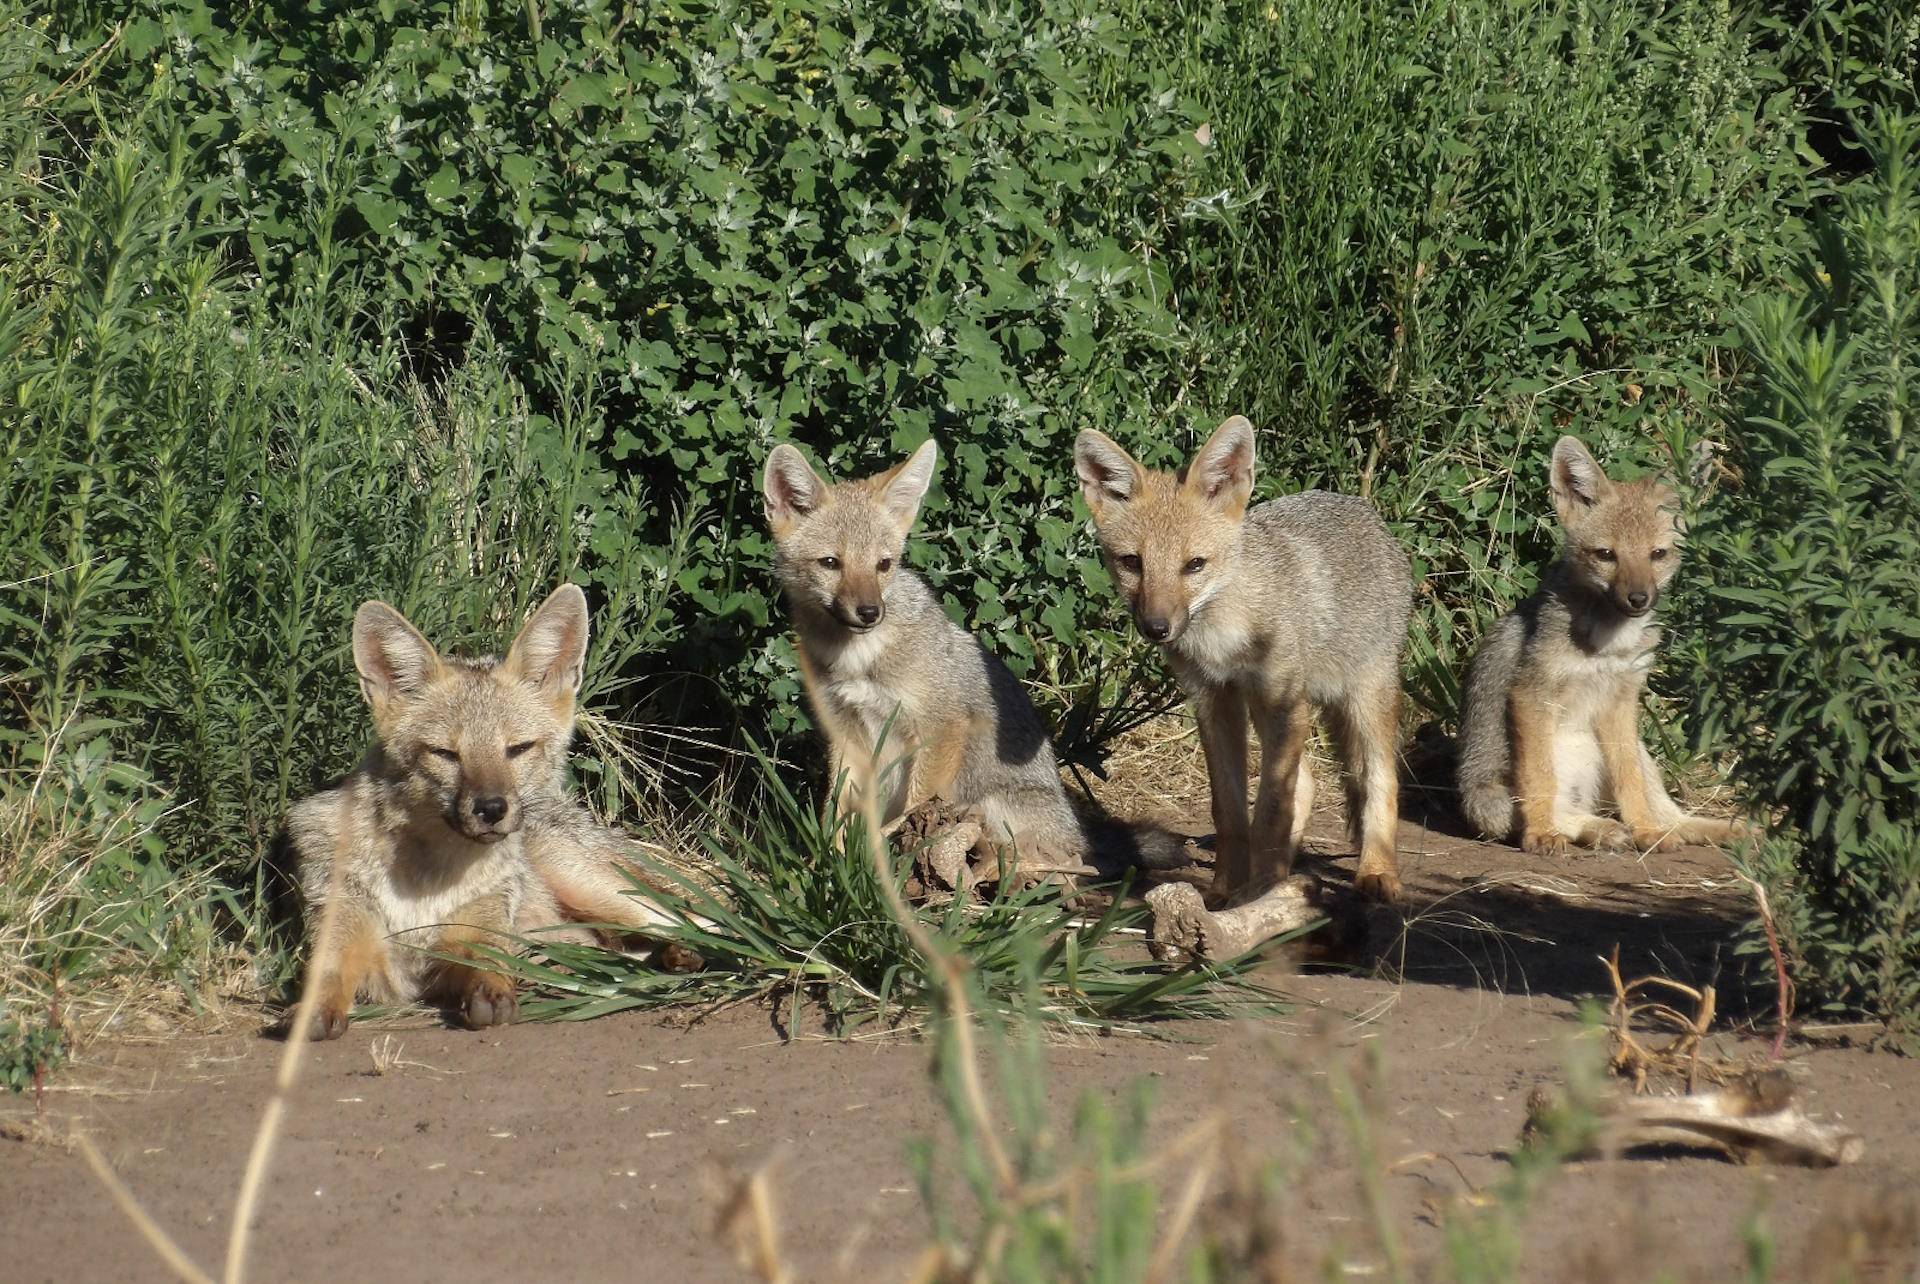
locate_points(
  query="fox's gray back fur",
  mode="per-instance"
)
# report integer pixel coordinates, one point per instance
(1333, 587)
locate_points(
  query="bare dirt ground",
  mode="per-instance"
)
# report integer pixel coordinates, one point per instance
(594, 1151)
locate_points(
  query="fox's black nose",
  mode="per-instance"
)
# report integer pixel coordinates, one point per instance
(490, 809)
(868, 612)
(1156, 628)
(1637, 601)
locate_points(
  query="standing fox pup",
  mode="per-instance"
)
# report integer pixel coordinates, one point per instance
(880, 656)
(1549, 730)
(456, 827)
(1300, 603)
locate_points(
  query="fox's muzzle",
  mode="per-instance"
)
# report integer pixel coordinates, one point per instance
(485, 816)
(1159, 619)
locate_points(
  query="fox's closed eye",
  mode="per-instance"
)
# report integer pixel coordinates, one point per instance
(444, 755)
(515, 750)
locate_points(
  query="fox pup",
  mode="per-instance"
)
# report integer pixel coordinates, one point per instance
(881, 657)
(456, 827)
(1298, 604)
(1549, 728)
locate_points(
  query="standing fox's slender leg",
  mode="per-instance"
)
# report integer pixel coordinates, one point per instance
(1368, 731)
(483, 997)
(1532, 723)
(1221, 713)
(340, 965)
(1283, 741)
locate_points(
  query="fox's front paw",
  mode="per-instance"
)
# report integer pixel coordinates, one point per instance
(488, 1001)
(675, 957)
(1544, 842)
(1378, 885)
(1222, 894)
(1610, 835)
(329, 1020)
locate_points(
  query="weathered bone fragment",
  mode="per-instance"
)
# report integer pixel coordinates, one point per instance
(1183, 928)
(1754, 1119)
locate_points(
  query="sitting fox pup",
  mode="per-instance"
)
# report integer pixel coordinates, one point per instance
(456, 827)
(1549, 731)
(881, 658)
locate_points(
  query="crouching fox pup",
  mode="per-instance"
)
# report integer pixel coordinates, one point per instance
(456, 827)
(1265, 614)
(886, 668)
(1549, 727)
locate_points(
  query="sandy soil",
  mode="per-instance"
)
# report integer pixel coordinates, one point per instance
(594, 1151)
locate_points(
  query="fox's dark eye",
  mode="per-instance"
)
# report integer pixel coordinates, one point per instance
(1129, 562)
(1194, 566)
(884, 565)
(1658, 554)
(831, 563)
(514, 751)
(1602, 554)
(444, 755)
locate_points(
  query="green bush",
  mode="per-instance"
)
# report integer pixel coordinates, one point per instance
(846, 224)
(199, 486)
(1410, 241)
(1449, 232)
(1811, 671)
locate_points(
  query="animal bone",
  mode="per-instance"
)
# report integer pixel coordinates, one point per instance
(1753, 1119)
(1184, 928)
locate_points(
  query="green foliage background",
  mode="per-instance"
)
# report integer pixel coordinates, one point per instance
(1813, 668)
(441, 299)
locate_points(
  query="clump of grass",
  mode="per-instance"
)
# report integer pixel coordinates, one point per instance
(793, 912)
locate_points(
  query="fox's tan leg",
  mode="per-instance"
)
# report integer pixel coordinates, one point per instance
(1617, 727)
(1532, 723)
(1283, 740)
(1221, 713)
(941, 755)
(1368, 729)
(481, 997)
(592, 889)
(354, 952)
(1668, 816)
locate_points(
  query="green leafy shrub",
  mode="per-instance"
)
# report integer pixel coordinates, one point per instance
(846, 224)
(198, 487)
(1811, 671)
(1410, 242)
(1447, 233)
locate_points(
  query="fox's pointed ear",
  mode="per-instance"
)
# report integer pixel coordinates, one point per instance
(395, 662)
(1578, 482)
(904, 485)
(1222, 473)
(1107, 473)
(789, 488)
(550, 655)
